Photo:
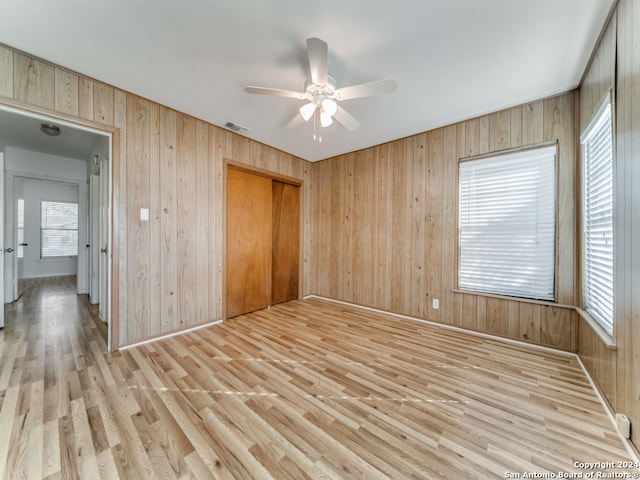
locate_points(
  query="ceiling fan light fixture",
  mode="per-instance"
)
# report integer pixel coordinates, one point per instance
(307, 111)
(325, 119)
(329, 106)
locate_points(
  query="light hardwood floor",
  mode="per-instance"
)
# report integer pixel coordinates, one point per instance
(307, 389)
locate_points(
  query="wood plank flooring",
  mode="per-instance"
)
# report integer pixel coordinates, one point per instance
(305, 390)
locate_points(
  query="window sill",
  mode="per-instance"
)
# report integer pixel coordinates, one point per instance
(56, 259)
(606, 338)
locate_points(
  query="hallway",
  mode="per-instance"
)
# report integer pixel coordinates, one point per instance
(50, 339)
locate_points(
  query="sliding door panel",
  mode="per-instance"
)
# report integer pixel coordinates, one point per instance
(249, 220)
(286, 240)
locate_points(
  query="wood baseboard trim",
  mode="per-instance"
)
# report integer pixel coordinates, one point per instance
(631, 449)
(169, 335)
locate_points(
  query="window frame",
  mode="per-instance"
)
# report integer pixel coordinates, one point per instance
(607, 325)
(493, 155)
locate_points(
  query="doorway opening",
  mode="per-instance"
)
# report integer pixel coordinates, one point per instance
(47, 180)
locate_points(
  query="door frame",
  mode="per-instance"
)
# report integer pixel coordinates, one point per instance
(272, 176)
(113, 133)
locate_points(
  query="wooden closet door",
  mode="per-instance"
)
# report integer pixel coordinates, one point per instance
(249, 249)
(286, 242)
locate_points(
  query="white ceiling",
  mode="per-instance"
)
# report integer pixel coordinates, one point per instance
(452, 59)
(23, 131)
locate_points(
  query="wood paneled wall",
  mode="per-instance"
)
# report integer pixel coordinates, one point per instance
(616, 65)
(385, 224)
(169, 270)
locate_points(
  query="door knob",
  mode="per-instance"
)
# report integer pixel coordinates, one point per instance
(8, 250)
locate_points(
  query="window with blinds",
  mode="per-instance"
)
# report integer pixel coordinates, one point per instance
(597, 141)
(507, 224)
(58, 229)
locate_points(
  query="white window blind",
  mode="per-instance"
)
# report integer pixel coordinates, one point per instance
(507, 224)
(598, 218)
(58, 229)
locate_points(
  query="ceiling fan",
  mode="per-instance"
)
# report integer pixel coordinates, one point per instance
(321, 93)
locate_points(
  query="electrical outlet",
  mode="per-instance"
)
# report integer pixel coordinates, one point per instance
(435, 303)
(624, 425)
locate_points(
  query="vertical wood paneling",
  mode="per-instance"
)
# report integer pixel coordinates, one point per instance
(449, 224)
(530, 318)
(481, 314)
(515, 132)
(500, 130)
(557, 327)
(168, 220)
(6, 72)
(532, 123)
(421, 244)
(559, 124)
(370, 232)
(360, 236)
(103, 103)
(398, 229)
(434, 214)
(33, 81)
(497, 311)
(484, 135)
(469, 305)
(187, 247)
(66, 92)
(120, 221)
(86, 98)
(138, 266)
(155, 232)
(202, 253)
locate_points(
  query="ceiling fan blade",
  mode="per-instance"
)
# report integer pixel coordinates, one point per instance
(369, 89)
(317, 51)
(346, 119)
(275, 91)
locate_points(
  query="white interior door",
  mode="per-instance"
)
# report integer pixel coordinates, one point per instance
(105, 247)
(94, 238)
(2, 239)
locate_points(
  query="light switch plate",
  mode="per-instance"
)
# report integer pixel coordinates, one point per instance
(144, 214)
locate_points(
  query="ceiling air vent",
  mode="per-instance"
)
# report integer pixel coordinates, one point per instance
(235, 127)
